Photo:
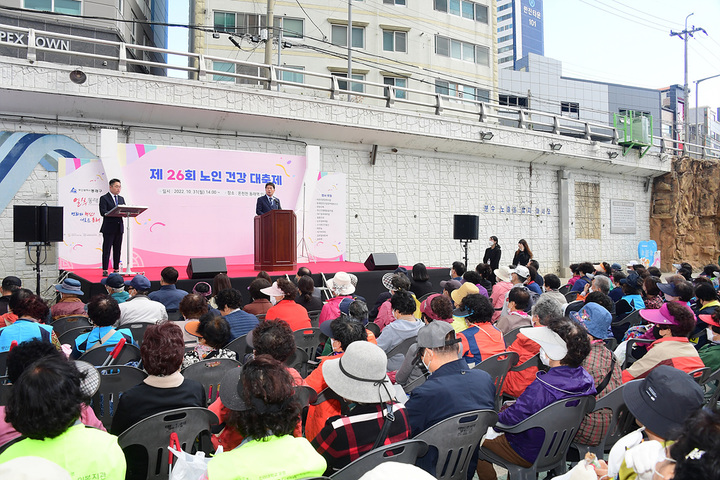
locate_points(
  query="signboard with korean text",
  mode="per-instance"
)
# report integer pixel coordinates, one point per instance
(201, 202)
(622, 216)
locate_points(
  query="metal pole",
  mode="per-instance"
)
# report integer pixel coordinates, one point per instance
(697, 86)
(349, 47)
(280, 40)
(686, 90)
(268, 42)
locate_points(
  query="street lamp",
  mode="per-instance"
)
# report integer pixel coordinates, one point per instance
(697, 84)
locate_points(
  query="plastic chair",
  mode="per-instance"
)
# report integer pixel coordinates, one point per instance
(498, 367)
(209, 373)
(63, 324)
(713, 381)
(129, 353)
(565, 289)
(629, 357)
(402, 347)
(137, 330)
(239, 346)
(621, 423)
(620, 326)
(69, 336)
(533, 361)
(299, 361)
(425, 296)
(314, 318)
(511, 336)
(153, 434)
(570, 296)
(700, 375)
(456, 439)
(308, 339)
(114, 380)
(406, 451)
(3, 363)
(559, 421)
(305, 395)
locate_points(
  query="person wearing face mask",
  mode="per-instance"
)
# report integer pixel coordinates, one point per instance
(405, 326)
(672, 323)
(564, 345)
(282, 295)
(493, 253)
(451, 389)
(586, 270)
(523, 254)
(710, 352)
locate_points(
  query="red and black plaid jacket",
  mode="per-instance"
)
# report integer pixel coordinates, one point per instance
(346, 438)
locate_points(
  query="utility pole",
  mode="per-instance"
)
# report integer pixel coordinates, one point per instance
(684, 35)
(268, 40)
(349, 47)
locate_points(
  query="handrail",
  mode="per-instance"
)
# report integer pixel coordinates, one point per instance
(328, 84)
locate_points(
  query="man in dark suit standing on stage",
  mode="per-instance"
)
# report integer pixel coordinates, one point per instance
(112, 227)
(268, 201)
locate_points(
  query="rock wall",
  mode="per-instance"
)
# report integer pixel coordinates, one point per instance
(685, 214)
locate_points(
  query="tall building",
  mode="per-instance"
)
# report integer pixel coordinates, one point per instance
(443, 46)
(705, 126)
(137, 22)
(520, 30)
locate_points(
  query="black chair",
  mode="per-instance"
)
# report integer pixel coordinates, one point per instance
(314, 318)
(153, 434)
(3, 363)
(565, 289)
(69, 336)
(559, 422)
(498, 367)
(63, 324)
(621, 325)
(510, 336)
(425, 296)
(114, 380)
(239, 346)
(328, 394)
(128, 354)
(299, 361)
(137, 330)
(209, 373)
(402, 347)
(406, 451)
(308, 339)
(305, 395)
(631, 352)
(621, 423)
(533, 361)
(570, 296)
(456, 439)
(700, 375)
(712, 382)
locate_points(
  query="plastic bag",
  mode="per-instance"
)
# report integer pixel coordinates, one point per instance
(189, 467)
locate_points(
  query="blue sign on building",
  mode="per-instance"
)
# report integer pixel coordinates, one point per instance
(531, 26)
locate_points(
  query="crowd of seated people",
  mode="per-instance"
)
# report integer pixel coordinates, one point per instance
(574, 339)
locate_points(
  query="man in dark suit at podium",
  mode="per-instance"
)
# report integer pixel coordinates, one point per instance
(112, 227)
(268, 201)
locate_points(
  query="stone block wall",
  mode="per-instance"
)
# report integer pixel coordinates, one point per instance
(685, 216)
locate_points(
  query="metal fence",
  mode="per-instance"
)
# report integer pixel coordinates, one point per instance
(120, 56)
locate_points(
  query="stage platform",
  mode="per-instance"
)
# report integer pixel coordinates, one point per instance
(369, 282)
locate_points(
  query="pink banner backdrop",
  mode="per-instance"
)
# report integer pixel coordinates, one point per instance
(201, 202)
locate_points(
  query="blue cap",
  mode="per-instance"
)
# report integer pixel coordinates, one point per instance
(139, 282)
(595, 318)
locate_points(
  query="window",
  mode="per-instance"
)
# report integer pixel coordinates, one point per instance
(506, 27)
(394, 2)
(462, 50)
(293, 27)
(250, 71)
(394, 41)
(339, 36)
(462, 8)
(504, 7)
(587, 210)
(295, 77)
(223, 67)
(505, 17)
(355, 87)
(570, 109)
(461, 91)
(224, 22)
(505, 38)
(505, 59)
(397, 82)
(513, 101)
(71, 7)
(505, 49)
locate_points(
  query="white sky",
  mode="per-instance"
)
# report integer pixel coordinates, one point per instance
(625, 42)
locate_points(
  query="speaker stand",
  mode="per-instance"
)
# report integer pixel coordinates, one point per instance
(36, 268)
(303, 245)
(464, 244)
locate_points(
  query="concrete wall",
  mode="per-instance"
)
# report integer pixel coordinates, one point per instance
(428, 167)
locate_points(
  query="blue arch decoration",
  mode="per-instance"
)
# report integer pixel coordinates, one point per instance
(20, 152)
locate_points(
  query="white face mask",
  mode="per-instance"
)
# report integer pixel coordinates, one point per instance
(273, 300)
(491, 243)
(422, 359)
(544, 358)
(590, 276)
(710, 335)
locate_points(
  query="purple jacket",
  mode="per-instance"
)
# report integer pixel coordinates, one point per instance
(558, 383)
